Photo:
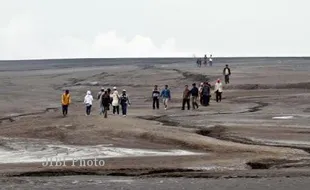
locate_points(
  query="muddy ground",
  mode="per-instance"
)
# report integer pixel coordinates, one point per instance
(261, 124)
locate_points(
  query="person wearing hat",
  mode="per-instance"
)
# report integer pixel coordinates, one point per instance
(115, 100)
(65, 102)
(124, 100)
(218, 87)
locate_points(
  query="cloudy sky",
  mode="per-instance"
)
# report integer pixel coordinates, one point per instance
(153, 28)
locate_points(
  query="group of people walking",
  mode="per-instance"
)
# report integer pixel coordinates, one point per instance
(206, 61)
(191, 96)
(106, 98)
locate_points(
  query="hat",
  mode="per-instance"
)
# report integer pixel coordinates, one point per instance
(102, 88)
(114, 88)
(124, 90)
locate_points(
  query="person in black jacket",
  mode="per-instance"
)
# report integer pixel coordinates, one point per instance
(105, 103)
(155, 96)
(226, 73)
(195, 93)
(206, 94)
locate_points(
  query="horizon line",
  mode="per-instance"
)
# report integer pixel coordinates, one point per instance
(81, 58)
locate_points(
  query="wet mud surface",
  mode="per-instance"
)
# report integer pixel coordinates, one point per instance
(260, 129)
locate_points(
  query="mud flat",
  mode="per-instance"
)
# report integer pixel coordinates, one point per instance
(261, 128)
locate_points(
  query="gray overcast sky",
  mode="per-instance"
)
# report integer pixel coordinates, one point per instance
(133, 28)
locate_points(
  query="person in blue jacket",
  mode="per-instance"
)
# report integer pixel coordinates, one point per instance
(166, 95)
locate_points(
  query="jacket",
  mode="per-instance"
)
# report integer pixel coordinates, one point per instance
(165, 93)
(194, 91)
(224, 71)
(65, 99)
(155, 94)
(206, 90)
(186, 94)
(105, 100)
(88, 99)
(218, 87)
(115, 98)
(124, 99)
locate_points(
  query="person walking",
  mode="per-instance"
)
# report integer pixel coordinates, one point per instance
(105, 103)
(226, 73)
(155, 96)
(210, 61)
(166, 95)
(200, 93)
(100, 93)
(88, 101)
(124, 99)
(115, 101)
(99, 96)
(186, 98)
(65, 102)
(111, 99)
(205, 60)
(195, 93)
(218, 87)
(205, 94)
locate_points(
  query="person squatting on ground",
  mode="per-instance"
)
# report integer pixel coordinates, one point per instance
(166, 95)
(124, 99)
(195, 93)
(155, 96)
(226, 73)
(186, 98)
(218, 87)
(206, 94)
(88, 101)
(115, 101)
(105, 103)
(65, 102)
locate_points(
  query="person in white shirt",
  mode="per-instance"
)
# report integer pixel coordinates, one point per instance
(218, 87)
(210, 60)
(88, 101)
(115, 101)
